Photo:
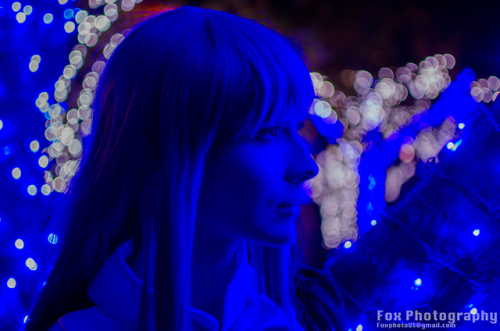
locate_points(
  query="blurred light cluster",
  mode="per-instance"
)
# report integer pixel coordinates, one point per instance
(335, 189)
(485, 90)
(378, 105)
(65, 129)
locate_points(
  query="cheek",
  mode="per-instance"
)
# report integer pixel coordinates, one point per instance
(239, 196)
(238, 193)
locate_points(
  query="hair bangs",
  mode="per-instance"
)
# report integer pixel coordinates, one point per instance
(272, 75)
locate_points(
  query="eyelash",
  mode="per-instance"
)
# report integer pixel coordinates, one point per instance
(299, 127)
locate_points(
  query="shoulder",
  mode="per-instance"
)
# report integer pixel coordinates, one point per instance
(92, 319)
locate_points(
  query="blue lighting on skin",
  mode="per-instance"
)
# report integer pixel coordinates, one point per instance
(347, 244)
(461, 126)
(418, 282)
(476, 232)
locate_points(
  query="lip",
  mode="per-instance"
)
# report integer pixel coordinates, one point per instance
(289, 210)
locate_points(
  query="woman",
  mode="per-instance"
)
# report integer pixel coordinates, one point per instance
(181, 215)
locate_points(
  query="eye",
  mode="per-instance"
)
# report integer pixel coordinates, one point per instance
(268, 133)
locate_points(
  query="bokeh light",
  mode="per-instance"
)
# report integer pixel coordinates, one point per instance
(68, 14)
(11, 283)
(19, 244)
(16, 173)
(21, 17)
(27, 10)
(46, 189)
(69, 27)
(31, 264)
(16, 6)
(34, 146)
(48, 18)
(52, 238)
(32, 190)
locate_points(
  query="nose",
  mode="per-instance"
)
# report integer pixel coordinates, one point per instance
(301, 166)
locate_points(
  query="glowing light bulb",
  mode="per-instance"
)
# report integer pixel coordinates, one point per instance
(11, 283)
(32, 190)
(48, 18)
(16, 173)
(52, 238)
(34, 146)
(19, 244)
(31, 264)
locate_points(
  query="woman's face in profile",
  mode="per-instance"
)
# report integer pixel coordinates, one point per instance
(247, 181)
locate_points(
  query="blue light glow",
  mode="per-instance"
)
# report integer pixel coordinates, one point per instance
(473, 311)
(476, 232)
(52, 238)
(450, 145)
(25, 319)
(16, 173)
(31, 264)
(68, 13)
(34, 146)
(456, 145)
(48, 18)
(418, 282)
(347, 244)
(11, 283)
(32, 190)
(19, 244)
(461, 126)
(374, 222)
